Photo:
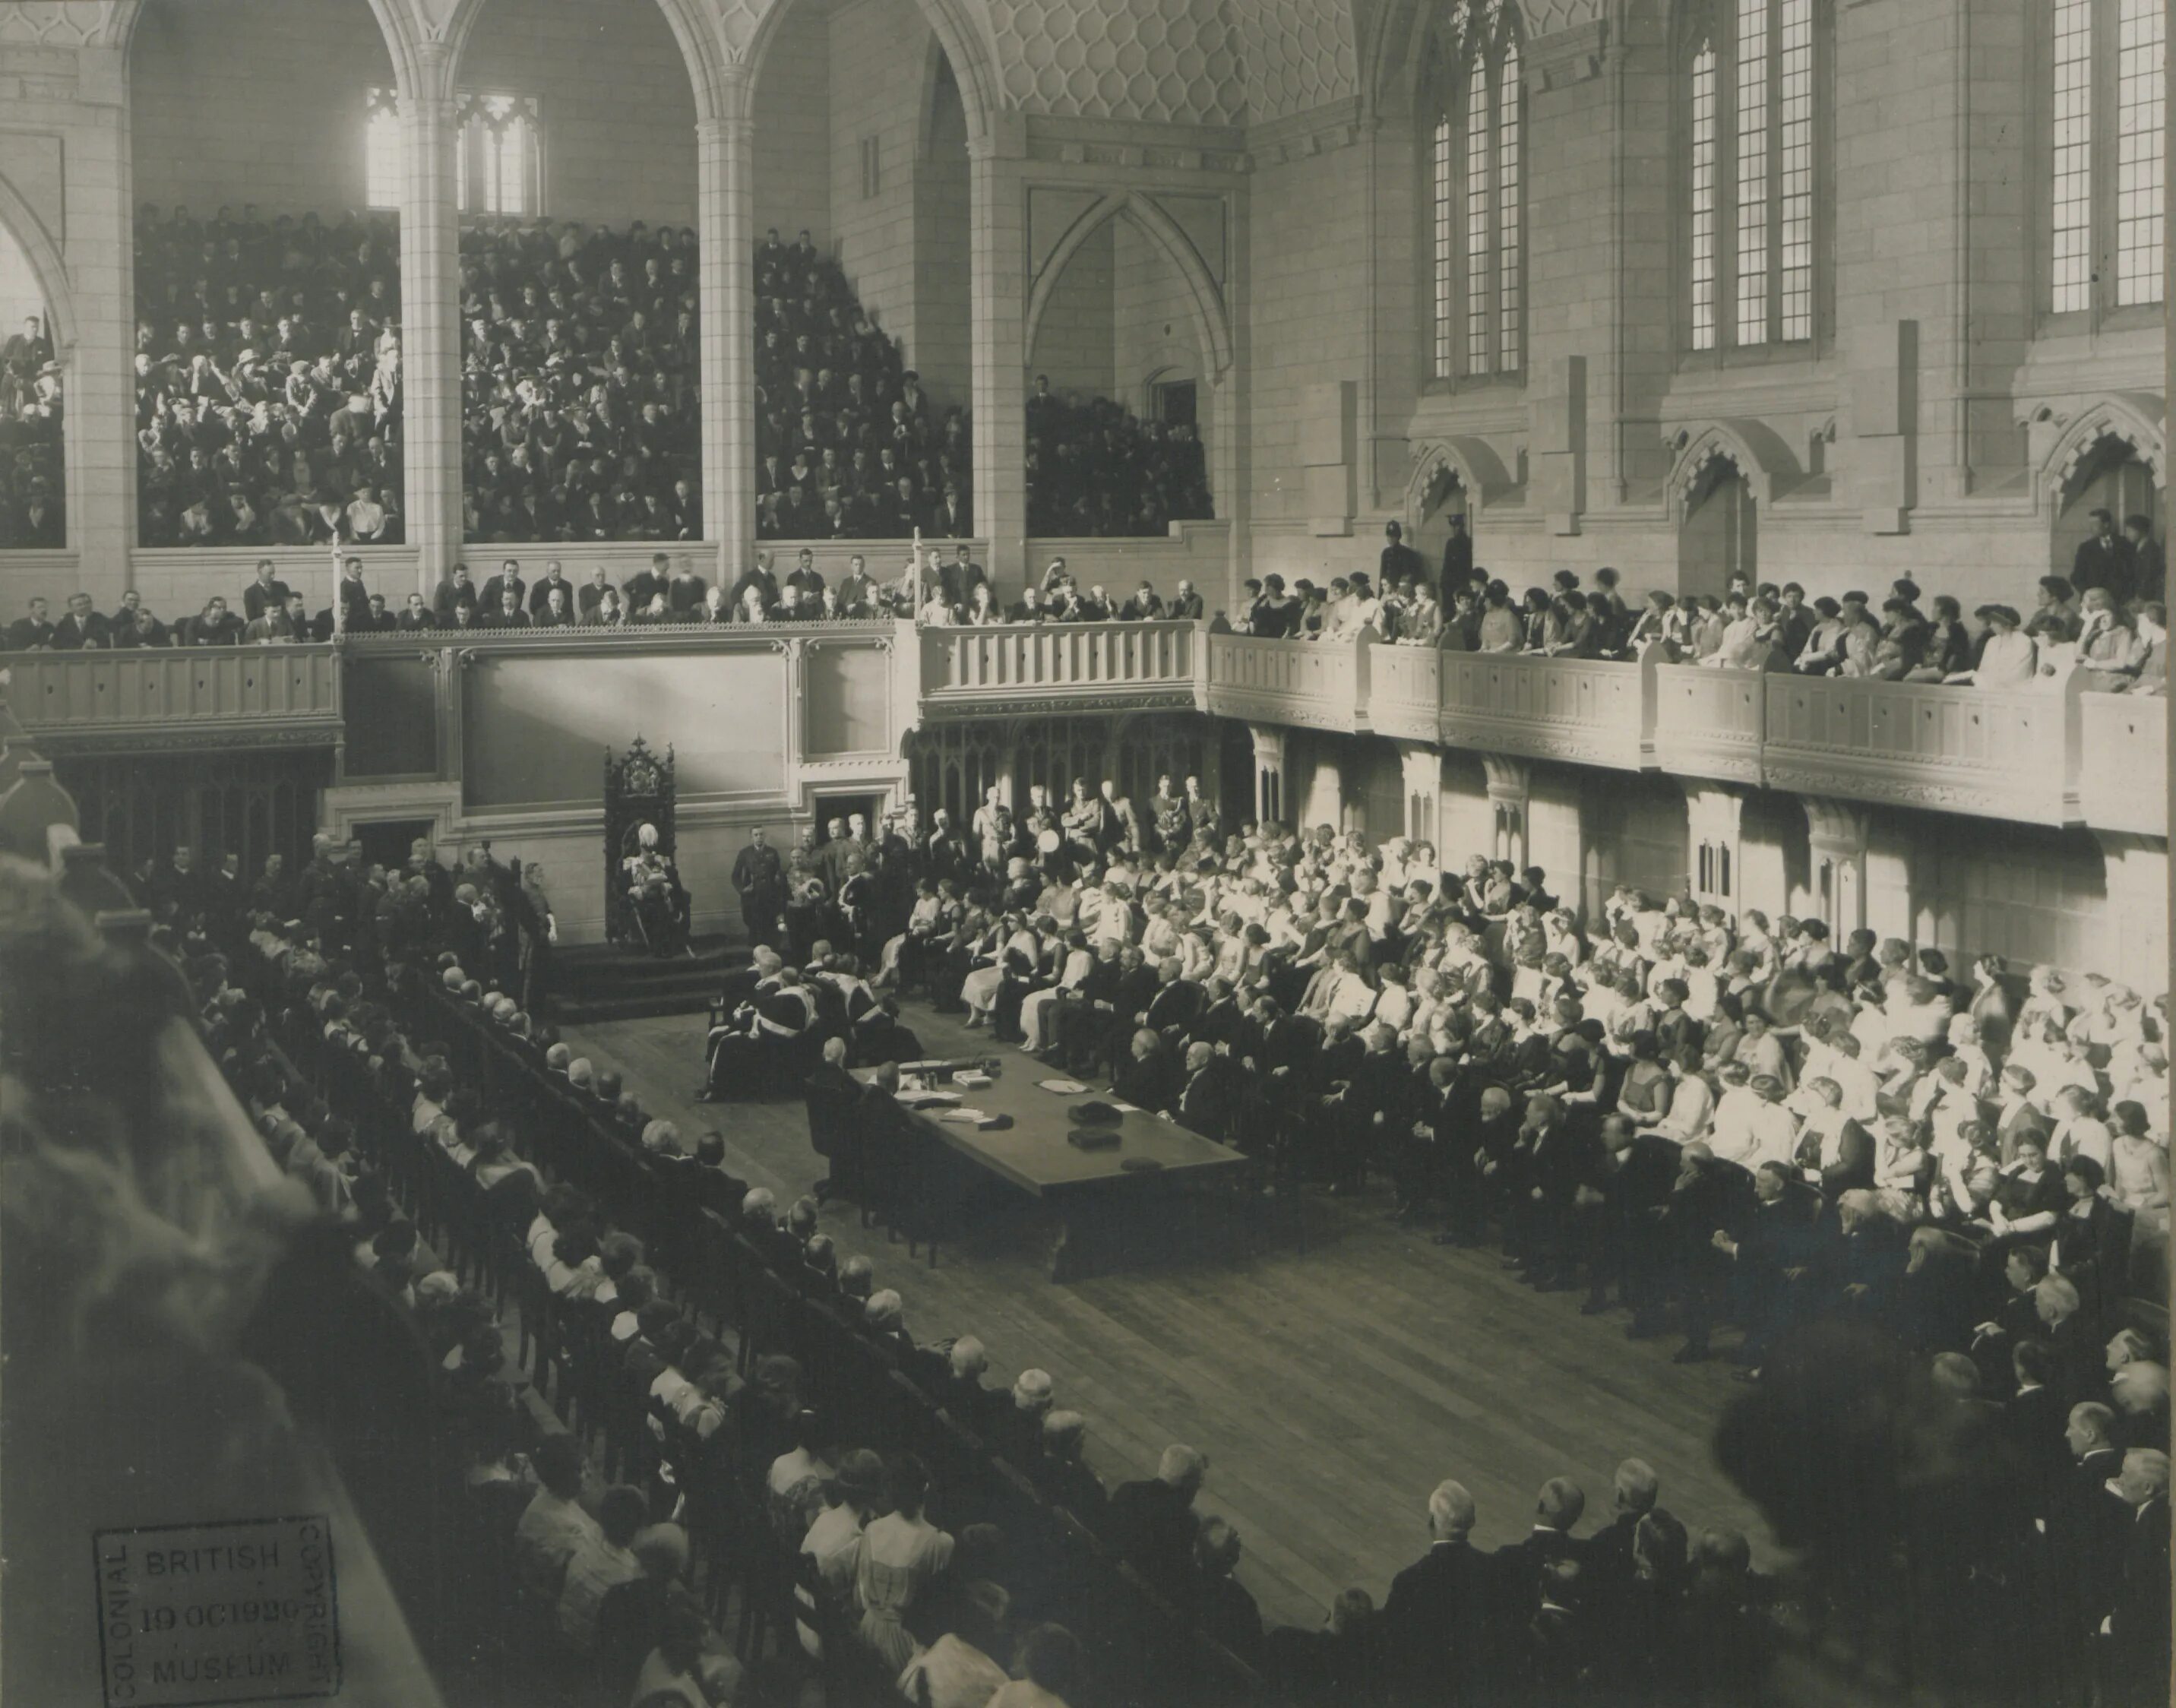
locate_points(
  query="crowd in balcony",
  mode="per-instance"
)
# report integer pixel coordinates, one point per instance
(849, 445)
(268, 379)
(580, 373)
(1094, 469)
(2109, 616)
(33, 483)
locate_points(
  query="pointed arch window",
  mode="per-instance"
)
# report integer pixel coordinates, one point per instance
(1477, 202)
(499, 164)
(1749, 80)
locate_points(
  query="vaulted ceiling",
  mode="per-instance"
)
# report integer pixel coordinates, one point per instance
(1209, 62)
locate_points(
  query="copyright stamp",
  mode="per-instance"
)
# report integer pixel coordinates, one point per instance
(192, 1615)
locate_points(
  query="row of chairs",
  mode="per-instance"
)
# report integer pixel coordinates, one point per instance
(734, 1285)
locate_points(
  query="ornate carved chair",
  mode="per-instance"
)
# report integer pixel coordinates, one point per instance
(638, 790)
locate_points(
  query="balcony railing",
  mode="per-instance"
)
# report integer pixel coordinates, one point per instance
(1589, 710)
(222, 696)
(1015, 668)
(2123, 762)
(2051, 755)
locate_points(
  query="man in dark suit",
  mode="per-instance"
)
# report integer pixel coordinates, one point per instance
(2104, 560)
(834, 1097)
(645, 584)
(455, 589)
(1609, 1549)
(759, 881)
(492, 599)
(2134, 1637)
(266, 594)
(1556, 1515)
(1185, 605)
(1440, 1623)
(34, 633)
(1059, 1472)
(1209, 1098)
(81, 628)
(540, 595)
(959, 578)
(1457, 557)
(1152, 1524)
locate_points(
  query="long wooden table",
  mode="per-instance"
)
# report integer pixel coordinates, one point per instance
(1096, 1196)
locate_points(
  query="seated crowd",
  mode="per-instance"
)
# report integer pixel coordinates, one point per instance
(580, 364)
(32, 481)
(2110, 614)
(1737, 1119)
(848, 444)
(268, 379)
(1093, 468)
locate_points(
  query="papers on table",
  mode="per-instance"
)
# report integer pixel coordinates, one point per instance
(1064, 1088)
(927, 1100)
(974, 1081)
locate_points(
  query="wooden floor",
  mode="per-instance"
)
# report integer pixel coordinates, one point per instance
(1332, 1389)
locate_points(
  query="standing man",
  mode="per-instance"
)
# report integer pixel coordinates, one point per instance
(759, 877)
(267, 593)
(1457, 557)
(2149, 562)
(959, 578)
(540, 595)
(2104, 560)
(1399, 560)
(351, 604)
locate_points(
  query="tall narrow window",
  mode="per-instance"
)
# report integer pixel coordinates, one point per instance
(2141, 151)
(1751, 165)
(1480, 229)
(2073, 165)
(1705, 213)
(1795, 134)
(1752, 171)
(1476, 253)
(1443, 255)
(382, 149)
(1508, 293)
(2107, 153)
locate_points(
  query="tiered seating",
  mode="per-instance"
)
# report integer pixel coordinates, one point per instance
(268, 380)
(848, 445)
(580, 357)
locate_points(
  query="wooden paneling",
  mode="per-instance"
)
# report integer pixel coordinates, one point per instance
(1594, 711)
(393, 715)
(1708, 723)
(1314, 684)
(2123, 762)
(222, 695)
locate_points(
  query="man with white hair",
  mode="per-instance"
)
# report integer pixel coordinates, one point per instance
(1437, 1620)
(2133, 1640)
(1153, 1525)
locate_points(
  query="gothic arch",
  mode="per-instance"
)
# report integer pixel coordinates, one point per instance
(1212, 325)
(953, 21)
(2135, 419)
(395, 23)
(692, 31)
(1480, 471)
(22, 223)
(1759, 452)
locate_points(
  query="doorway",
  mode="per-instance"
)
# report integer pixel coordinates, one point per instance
(1720, 535)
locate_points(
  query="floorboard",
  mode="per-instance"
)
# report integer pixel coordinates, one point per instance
(1332, 1389)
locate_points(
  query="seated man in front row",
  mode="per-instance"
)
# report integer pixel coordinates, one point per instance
(762, 1042)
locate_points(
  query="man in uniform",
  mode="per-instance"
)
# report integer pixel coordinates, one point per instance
(655, 894)
(760, 879)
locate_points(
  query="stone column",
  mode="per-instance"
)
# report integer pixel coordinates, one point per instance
(1510, 789)
(2136, 950)
(99, 377)
(725, 192)
(430, 317)
(998, 343)
(1421, 766)
(1273, 802)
